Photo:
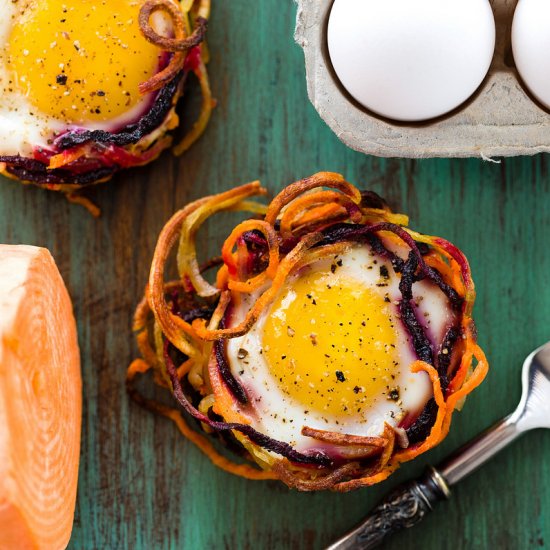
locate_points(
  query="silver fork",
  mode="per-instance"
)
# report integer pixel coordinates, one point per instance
(410, 502)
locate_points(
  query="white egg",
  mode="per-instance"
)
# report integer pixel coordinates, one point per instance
(411, 60)
(530, 44)
(331, 353)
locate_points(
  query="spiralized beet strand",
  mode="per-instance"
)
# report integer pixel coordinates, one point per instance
(236, 389)
(445, 355)
(264, 441)
(26, 163)
(42, 176)
(421, 343)
(360, 233)
(131, 133)
(422, 426)
(370, 199)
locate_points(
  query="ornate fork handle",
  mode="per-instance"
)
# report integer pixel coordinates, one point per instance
(402, 508)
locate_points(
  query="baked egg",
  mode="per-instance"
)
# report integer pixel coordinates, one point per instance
(332, 351)
(73, 107)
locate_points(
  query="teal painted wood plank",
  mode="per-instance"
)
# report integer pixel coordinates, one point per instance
(141, 485)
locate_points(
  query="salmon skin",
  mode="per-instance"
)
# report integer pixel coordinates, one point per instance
(40, 402)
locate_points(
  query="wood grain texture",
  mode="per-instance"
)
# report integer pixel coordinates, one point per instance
(141, 485)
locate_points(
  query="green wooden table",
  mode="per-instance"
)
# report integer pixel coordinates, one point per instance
(141, 485)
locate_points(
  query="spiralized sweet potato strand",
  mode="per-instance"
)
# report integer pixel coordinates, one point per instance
(300, 204)
(319, 180)
(296, 230)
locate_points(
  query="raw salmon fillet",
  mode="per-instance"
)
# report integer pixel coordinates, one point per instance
(40, 402)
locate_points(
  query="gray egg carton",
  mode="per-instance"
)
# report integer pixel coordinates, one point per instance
(501, 119)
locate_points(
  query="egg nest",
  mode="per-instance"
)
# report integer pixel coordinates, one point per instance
(197, 338)
(78, 156)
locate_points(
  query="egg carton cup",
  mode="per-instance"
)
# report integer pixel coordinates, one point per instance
(499, 120)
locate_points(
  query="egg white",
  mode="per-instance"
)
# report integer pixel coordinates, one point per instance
(281, 417)
(21, 127)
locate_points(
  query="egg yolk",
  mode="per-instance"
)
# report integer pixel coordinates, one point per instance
(83, 60)
(330, 344)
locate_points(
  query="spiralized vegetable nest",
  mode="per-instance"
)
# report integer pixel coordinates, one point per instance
(334, 345)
